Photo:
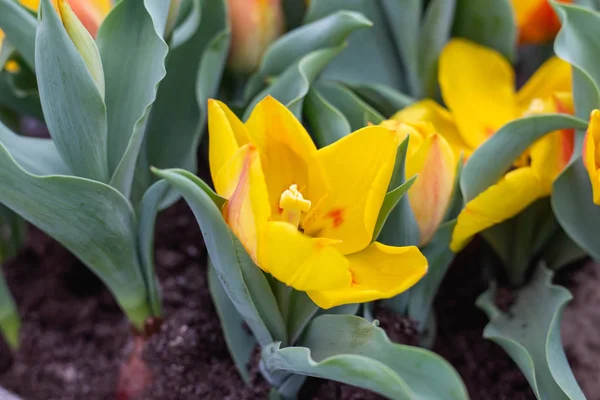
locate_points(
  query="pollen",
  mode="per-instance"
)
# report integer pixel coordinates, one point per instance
(293, 204)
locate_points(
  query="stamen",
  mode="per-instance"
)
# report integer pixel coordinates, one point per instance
(293, 205)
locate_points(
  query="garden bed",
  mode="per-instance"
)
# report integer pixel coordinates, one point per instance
(74, 337)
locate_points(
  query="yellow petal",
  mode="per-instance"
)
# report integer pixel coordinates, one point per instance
(287, 152)
(429, 111)
(550, 155)
(300, 261)
(358, 168)
(553, 76)
(378, 272)
(591, 158)
(477, 85)
(247, 210)
(430, 195)
(502, 201)
(226, 134)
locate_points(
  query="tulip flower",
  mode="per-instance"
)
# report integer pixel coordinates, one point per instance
(91, 13)
(431, 158)
(591, 154)
(255, 24)
(536, 20)
(520, 187)
(307, 216)
(478, 86)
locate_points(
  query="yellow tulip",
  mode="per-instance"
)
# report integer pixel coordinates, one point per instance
(307, 216)
(255, 24)
(431, 158)
(478, 86)
(536, 20)
(520, 187)
(591, 154)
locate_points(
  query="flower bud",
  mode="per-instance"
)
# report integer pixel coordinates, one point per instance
(255, 24)
(84, 43)
(591, 154)
(431, 158)
(536, 20)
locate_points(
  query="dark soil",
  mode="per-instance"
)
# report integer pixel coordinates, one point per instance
(74, 337)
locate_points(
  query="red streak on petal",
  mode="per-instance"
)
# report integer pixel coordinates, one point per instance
(337, 216)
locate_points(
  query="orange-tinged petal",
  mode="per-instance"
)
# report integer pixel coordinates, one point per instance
(226, 134)
(378, 272)
(504, 200)
(287, 151)
(429, 111)
(477, 85)
(550, 155)
(536, 20)
(430, 195)
(247, 209)
(591, 154)
(300, 261)
(358, 168)
(553, 76)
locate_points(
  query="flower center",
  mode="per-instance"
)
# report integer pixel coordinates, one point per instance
(293, 205)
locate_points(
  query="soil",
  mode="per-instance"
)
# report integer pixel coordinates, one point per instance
(74, 337)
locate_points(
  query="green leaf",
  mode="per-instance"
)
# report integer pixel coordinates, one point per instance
(194, 71)
(574, 208)
(327, 32)
(23, 103)
(37, 156)
(439, 257)
(351, 350)
(349, 104)
(73, 107)
(148, 210)
(561, 251)
(19, 26)
(505, 146)
(91, 219)
(371, 55)
(390, 202)
(576, 44)
(327, 123)
(530, 334)
(301, 310)
(239, 342)
(133, 55)
(593, 4)
(385, 99)
(400, 227)
(492, 26)
(10, 322)
(435, 32)
(292, 86)
(243, 281)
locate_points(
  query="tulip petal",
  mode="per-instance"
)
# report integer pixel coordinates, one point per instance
(287, 151)
(429, 111)
(553, 76)
(358, 169)
(300, 261)
(536, 20)
(504, 200)
(430, 195)
(591, 157)
(247, 210)
(226, 135)
(550, 155)
(379, 272)
(477, 84)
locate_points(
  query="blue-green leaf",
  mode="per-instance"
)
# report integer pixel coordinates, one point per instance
(384, 99)
(326, 32)
(239, 342)
(530, 334)
(133, 55)
(390, 202)
(73, 107)
(19, 26)
(492, 26)
(91, 219)
(327, 123)
(352, 350)
(505, 146)
(243, 281)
